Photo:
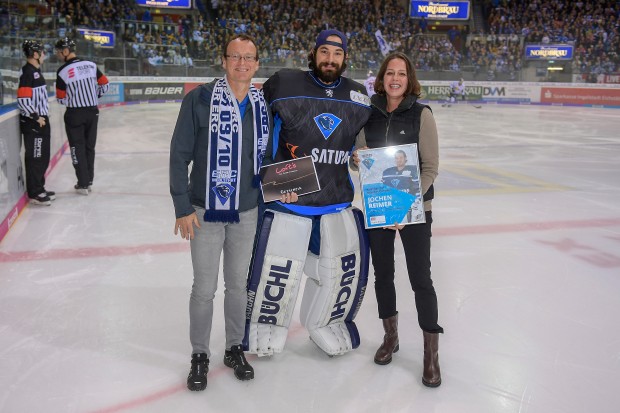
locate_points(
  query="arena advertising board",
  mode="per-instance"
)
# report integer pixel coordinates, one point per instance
(549, 52)
(171, 4)
(499, 92)
(391, 188)
(608, 97)
(440, 10)
(605, 78)
(115, 94)
(10, 82)
(102, 38)
(154, 91)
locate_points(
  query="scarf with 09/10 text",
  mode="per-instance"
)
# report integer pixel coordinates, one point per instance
(224, 153)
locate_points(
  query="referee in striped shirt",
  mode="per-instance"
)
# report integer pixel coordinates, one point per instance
(34, 123)
(79, 85)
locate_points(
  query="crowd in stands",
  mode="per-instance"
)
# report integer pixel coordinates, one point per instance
(591, 26)
(285, 31)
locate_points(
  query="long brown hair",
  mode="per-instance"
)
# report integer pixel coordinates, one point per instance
(413, 86)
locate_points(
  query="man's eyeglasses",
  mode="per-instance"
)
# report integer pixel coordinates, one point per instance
(237, 57)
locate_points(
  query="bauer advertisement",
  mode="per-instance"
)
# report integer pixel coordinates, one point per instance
(390, 182)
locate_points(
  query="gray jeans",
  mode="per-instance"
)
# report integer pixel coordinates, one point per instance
(210, 240)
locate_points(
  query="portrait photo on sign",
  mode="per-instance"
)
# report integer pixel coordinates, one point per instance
(390, 185)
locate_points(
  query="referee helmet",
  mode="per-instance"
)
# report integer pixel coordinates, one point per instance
(65, 43)
(31, 46)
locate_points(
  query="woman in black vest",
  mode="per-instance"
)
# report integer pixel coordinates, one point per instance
(397, 119)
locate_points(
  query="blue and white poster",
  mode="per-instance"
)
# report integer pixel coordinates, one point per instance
(390, 183)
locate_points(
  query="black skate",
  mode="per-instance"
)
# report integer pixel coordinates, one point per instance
(235, 359)
(41, 199)
(197, 379)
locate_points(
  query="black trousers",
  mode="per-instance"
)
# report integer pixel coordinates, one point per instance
(416, 239)
(81, 127)
(36, 154)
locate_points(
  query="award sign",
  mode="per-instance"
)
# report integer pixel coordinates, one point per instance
(390, 182)
(297, 175)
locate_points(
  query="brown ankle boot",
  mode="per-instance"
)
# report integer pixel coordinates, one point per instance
(432, 375)
(390, 341)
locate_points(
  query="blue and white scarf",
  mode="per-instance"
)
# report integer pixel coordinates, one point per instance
(224, 153)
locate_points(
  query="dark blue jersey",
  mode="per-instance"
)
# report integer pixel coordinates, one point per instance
(402, 179)
(321, 121)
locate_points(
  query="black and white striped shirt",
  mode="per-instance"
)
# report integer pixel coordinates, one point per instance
(31, 93)
(80, 84)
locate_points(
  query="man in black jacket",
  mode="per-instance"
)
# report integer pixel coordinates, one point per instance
(222, 130)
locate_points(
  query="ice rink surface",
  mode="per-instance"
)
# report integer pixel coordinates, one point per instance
(526, 262)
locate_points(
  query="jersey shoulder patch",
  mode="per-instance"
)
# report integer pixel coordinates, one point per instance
(360, 98)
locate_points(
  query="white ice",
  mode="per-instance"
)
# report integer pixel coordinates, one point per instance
(526, 262)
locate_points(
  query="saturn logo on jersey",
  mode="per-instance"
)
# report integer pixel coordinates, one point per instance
(223, 192)
(327, 123)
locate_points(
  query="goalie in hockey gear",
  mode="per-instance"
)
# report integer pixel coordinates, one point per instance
(334, 289)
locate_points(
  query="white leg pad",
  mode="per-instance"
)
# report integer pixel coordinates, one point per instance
(275, 278)
(336, 284)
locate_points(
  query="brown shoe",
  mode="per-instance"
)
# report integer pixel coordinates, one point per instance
(431, 377)
(390, 341)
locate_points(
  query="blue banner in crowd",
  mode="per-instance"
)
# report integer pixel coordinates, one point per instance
(440, 10)
(101, 37)
(549, 52)
(171, 4)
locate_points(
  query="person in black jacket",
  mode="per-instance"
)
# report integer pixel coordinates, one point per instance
(34, 123)
(397, 119)
(222, 130)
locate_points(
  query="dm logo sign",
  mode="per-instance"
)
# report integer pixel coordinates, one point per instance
(327, 123)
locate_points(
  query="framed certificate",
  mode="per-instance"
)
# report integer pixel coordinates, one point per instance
(297, 175)
(390, 183)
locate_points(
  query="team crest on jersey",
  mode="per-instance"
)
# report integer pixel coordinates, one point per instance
(36, 75)
(368, 162)
(223, 192)
(395, 182)
(329, 92)
(327, 123)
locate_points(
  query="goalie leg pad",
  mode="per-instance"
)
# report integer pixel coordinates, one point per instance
(275, 275)
(336, 282)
